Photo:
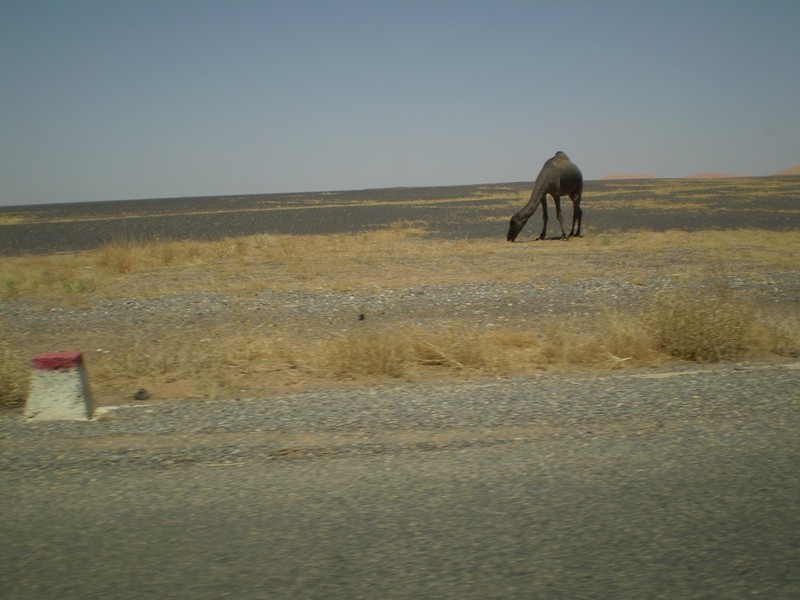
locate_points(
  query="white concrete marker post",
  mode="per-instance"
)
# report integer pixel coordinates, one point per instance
(60, 388)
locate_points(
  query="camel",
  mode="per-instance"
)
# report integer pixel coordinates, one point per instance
(559, 177)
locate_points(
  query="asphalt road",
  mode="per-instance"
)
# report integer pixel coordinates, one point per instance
(675, 484)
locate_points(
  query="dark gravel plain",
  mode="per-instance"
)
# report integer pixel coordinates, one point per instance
(474, 211)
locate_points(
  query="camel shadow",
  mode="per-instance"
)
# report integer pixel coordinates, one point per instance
(556, 238)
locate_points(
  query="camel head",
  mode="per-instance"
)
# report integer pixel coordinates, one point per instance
(513, 229)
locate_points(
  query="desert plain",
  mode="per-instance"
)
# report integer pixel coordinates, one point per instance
(252, 296)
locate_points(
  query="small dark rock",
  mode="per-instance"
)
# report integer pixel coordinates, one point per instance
(142, 394)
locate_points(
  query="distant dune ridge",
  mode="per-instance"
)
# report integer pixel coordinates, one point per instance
(790, 171)
(703, 175)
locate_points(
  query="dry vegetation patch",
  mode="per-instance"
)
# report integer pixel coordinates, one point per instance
(695, 318)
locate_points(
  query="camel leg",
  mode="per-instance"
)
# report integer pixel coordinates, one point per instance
(559, 217)
(543, 235)
(577, 214)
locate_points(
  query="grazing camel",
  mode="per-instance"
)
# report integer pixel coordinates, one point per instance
(559, 177)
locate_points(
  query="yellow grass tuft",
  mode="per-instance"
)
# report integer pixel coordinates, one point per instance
(703, 321)
(14, 370)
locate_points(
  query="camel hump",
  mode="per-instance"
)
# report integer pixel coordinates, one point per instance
(561, 155)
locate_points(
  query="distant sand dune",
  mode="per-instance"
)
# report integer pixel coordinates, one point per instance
(790, 171)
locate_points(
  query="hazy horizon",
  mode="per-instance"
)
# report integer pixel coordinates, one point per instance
(124, 100)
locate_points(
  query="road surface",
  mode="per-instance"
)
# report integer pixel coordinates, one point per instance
(658, 484)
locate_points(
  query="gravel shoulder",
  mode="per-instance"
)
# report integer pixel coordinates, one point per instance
(414, 417)
(274, 314)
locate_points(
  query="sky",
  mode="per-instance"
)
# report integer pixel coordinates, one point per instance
(112, 100)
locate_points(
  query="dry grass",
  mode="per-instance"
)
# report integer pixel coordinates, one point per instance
(704, 321)
(401, 352)
(698, 319)
(14, 370)
(128, 268)
(674, 326)
(400, 256)
(11, 219)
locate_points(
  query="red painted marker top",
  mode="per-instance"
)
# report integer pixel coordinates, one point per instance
(53, 361)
